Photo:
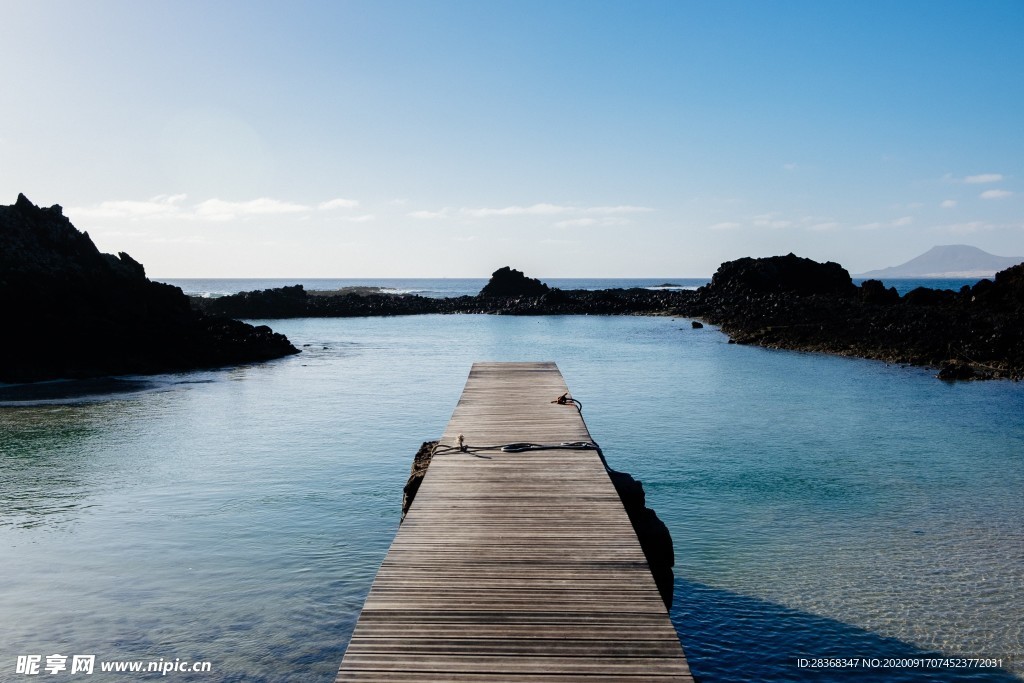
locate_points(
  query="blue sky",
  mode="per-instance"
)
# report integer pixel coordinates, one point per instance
(567, 139)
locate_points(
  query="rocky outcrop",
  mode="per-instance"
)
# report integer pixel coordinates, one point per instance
(295, 302)
(975, 333)
(507, 282)
(420, 463)
(73, 312)
(655, 539)
(780, 302)
(788, 274)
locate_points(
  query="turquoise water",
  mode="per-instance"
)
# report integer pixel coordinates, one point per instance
(819, 506)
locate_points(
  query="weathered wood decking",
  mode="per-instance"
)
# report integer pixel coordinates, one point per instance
(515, 566)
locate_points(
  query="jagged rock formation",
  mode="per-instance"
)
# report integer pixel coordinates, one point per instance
(975, 333)
(73, 312)
(295, 302)
(788, 274)
(506, 282)
(420, 463)
(781, 302)
(655, 539)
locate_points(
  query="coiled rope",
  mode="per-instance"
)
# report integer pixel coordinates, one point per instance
(524, 446)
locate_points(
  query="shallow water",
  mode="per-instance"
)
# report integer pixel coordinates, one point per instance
(819, 506)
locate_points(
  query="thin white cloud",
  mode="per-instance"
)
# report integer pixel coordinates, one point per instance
(967, 228)
(220, 210)
(576, 223)
(546, 209)
(982, 178)
(789, 167)
(948, 204)
(429, 215)
(338, 203)
(585, 222)
(618, 209)
(727, 225)
(769, 220)
(534, 210)
(365, 218)
(824, 227)
(897, 223)
(172, 206)
(995, 194)
(160, 206)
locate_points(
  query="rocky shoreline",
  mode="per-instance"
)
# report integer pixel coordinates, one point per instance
(72, 312)
(784, 302)
(791, 303)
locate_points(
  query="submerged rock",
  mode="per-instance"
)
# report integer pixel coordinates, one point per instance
(73, 312)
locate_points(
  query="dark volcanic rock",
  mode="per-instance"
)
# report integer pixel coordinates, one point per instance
(789, 273)
(506, 282)
(420, 463)
(295, 302)
(655, 539)
(73, 312)
(980, 328)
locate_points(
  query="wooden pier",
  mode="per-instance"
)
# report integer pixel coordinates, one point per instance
(515, 566)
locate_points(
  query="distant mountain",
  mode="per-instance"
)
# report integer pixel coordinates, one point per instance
(948, 261)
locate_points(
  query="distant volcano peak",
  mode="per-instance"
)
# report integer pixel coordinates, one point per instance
(948, 261)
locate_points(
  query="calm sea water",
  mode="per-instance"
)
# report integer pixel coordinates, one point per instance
(819, 506)
(444, 287)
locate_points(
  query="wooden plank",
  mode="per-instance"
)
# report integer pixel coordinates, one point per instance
(514, 566)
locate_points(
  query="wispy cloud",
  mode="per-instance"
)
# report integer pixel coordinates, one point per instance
(160, 206)
(618, 209)
(982, 178)
(220, 210)
(726, 225)
(576, 223)
(789, 167)
(545, 209)
(534, 210)
(429, 215)
(995, 194)
(574, 216)
(948, 204)
(896, 223)
(167, 207)
(586, 222)
(824, 227)
(771, 220)
(338, 203)
(967, 228)
(364, 218)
